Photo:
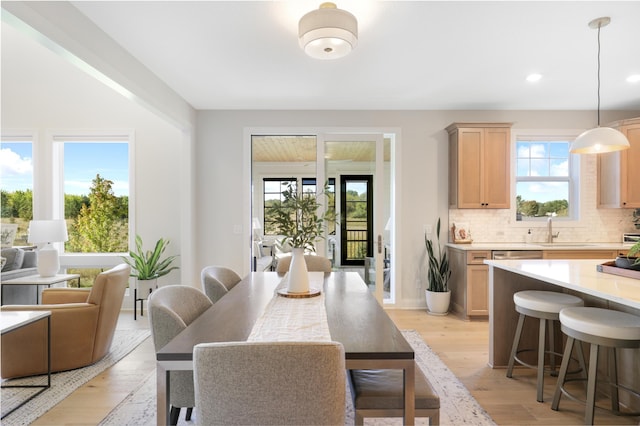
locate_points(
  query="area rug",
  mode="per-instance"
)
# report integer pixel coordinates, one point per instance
(63, 384)
(457, 406)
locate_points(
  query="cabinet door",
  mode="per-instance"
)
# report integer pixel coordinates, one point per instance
(470, 157)
(630, 169)
(619, 174)
(496, 171)
(477, 290)
(579, 254)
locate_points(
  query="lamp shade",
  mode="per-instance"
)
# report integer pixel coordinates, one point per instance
(599, 140)
(47, 231)
(328, 32)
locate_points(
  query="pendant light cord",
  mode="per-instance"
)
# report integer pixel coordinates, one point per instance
(599, 75)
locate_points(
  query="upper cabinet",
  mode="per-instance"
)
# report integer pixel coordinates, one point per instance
(619, 172)
(479, 172)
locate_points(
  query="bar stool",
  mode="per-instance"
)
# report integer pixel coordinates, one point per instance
(599, 327)
(546, 306)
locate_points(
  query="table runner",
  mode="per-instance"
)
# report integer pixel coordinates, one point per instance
(293, 319)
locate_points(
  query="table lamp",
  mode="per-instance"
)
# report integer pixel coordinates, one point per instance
(47, 232)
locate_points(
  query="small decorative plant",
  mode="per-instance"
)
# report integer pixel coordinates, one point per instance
(634, 251)
(148, 265)
(297, 219)
(439, 272)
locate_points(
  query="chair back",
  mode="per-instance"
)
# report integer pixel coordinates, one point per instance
(270, 383)
(314, 264)
(108, 293)
(172, 309)
(217, 281)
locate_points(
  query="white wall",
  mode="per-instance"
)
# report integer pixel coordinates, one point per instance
(422, 167)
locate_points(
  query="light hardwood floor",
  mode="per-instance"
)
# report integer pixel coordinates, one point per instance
(462, 345)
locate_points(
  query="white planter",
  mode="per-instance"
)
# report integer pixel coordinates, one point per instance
(438, 302)
(145, 287)
(298, 275)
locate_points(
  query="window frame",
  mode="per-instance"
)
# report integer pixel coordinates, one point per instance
(574, 176)
(57, 139)
(26, 137)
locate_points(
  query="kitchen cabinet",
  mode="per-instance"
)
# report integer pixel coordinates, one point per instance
(583, 254)
(469, 282)
(479, 165)
(618, 172)
(580, 254)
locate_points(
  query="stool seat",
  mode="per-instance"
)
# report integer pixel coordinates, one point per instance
(602, 322)
(545, 301)
(546, 307)
(598, 327)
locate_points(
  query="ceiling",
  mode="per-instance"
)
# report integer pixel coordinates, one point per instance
(423, 55)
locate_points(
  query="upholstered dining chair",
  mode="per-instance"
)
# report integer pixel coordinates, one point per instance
(269, 383)
(314, 264)
(171, 310)
(217, 281)
(83, 322)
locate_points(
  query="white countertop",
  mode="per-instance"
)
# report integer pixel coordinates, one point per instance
(540, 246)
(578, 275)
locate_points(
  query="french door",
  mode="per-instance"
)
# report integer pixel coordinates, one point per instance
(322, 160)
(356, 219)
(357, 161)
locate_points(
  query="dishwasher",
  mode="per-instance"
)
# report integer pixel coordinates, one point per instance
(516, 254)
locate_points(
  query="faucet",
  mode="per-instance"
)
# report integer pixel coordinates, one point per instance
(550, 234)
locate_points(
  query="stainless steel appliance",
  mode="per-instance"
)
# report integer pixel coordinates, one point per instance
(516, 254)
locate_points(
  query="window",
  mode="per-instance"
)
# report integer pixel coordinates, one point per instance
(544, 183)
(272, 192)
(16, 174)
(273, 188)
(95, 190)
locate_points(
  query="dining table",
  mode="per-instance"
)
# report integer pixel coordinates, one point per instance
(355, 318)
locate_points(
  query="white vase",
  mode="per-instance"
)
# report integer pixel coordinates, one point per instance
(298, 275)
(438, 302)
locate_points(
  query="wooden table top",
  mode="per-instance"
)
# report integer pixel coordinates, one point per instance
(355, 319)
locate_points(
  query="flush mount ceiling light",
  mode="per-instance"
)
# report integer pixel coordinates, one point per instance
(328, 32)
(599, 139)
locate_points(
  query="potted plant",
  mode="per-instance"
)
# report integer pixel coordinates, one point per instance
(147, 266)
(437, 293)
(296, 217)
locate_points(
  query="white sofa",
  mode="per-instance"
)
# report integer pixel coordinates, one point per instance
(263, 259)
(20, 263)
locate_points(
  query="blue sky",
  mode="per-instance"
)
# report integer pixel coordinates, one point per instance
(542, 158)
(82, 162)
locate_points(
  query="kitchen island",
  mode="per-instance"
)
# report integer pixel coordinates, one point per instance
(577, 277)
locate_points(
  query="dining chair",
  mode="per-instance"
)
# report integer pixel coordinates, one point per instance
(217, 281)
(171, 310)
(270, 383)
(314, 264)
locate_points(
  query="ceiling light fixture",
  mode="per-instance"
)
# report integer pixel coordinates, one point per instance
(328, 32)
(532, 78)
(599, 139)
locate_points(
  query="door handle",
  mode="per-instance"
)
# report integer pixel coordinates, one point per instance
(379, 244)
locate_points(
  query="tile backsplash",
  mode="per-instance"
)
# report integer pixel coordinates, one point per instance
(595, 225)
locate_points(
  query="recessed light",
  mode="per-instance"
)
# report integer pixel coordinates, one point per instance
(634, 78)
(532, 78)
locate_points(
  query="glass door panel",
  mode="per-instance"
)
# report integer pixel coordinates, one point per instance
(362, 201)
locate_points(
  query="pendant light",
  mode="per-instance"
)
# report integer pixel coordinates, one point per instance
(328, 32)
(599, 139)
